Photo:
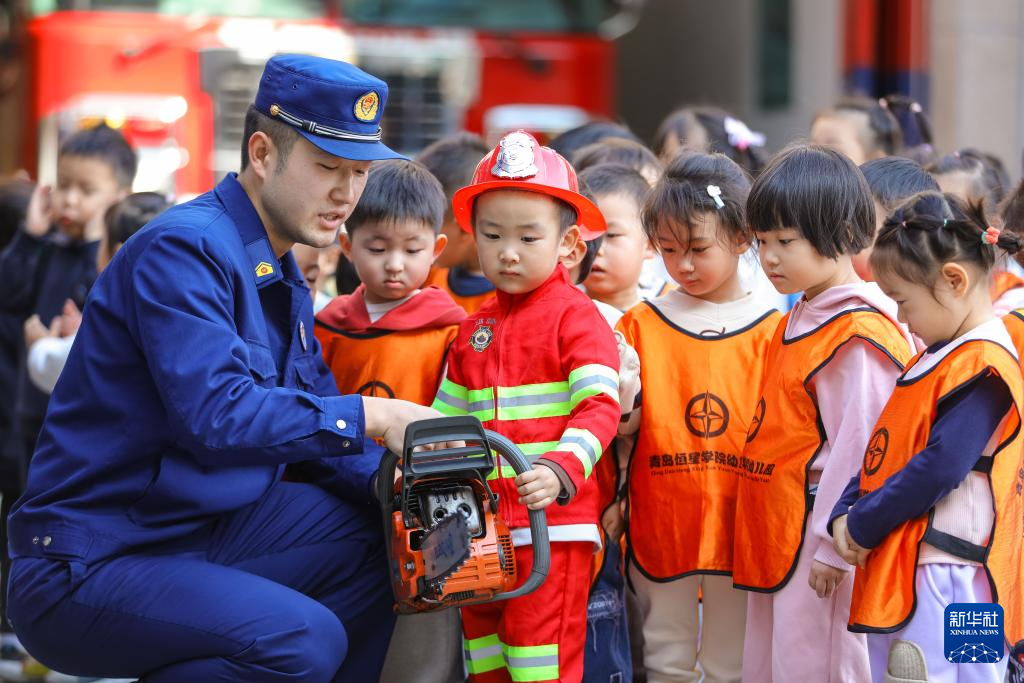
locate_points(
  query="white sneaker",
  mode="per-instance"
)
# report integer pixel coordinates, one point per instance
(906, 663)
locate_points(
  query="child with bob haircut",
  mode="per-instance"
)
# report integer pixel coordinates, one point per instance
(830, 368)
(539, 365)
(935, 515)
(682, 479)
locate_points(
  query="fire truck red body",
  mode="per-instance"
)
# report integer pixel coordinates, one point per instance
(178, 86)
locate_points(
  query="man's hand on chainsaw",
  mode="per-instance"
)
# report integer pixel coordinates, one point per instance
(539, 487)
(387, 418)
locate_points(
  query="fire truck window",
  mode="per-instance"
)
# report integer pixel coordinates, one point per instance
(532, 15)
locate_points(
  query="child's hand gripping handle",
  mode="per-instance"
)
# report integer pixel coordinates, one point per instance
(538, 520)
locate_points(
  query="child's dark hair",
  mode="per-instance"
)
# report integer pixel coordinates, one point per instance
(346, 279)
(931, 229)
(987, 174)
(107, 145)
(893, 179)
(587, 262)
(1011, 214)
(607, 179)
(883, 133)
(616, 151)
(819, 192)
(398, 190)
(684, 191)
(126, 217)
(453, 159)
(915, 127)
(574, 139)
(15, 194)
(740, 144)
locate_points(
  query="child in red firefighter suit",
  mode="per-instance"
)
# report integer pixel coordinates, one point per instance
(539, 365)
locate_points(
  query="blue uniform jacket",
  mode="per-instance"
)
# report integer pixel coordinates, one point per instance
(194, 378)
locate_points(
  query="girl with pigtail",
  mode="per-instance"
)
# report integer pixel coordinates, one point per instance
(935, 516)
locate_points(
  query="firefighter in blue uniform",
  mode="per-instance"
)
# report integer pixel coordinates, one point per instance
(156, 538)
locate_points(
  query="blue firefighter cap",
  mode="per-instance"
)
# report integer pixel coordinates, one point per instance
(334, 105)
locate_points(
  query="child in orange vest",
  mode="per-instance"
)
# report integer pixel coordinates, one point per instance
(390, 338)
(691, 421)
(935, 515)
(538, 365)
(392, 239)
(831, 365)
(452, 161)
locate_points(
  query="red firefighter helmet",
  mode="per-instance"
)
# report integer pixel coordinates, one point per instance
(521, 163)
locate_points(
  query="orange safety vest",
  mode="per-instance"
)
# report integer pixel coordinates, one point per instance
(884, 596)
(404, 364)
(699, 395)
(785, 437)
(1014, 321)
(1003, 282)
(471, 303)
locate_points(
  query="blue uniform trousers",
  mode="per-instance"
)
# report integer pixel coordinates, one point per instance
(293, 587)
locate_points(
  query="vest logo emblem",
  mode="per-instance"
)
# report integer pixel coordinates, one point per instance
(366, 106)
(264, 269)
(755, 423)
(874, 456)
(707, 416)
(481, 338)
(376, 388)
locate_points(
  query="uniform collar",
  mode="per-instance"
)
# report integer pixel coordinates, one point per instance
(265, 266)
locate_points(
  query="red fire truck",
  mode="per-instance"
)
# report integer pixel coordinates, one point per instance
(176, 78)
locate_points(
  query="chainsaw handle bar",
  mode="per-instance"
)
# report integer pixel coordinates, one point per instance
(538, 521)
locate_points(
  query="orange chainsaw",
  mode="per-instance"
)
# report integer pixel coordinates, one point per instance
(447, 544)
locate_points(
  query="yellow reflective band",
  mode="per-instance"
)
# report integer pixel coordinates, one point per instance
(584, 445)
(524, 663)
(484, 654)
(533, 401)
(536, 663)
(532, 451)
(451, 399)
(591, 380)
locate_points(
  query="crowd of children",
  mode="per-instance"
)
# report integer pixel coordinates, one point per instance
(743, 491)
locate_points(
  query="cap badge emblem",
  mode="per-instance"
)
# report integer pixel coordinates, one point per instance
(366, 106)
(515, 157)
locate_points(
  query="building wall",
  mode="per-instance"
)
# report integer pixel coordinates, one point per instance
(691, 51)
(978, 77)
(696, 52)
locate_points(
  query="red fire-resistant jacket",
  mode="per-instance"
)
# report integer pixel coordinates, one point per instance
(541, 368)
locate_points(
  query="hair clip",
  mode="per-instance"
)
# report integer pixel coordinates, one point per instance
(715, 192)
(740, 136)
(990, 236)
